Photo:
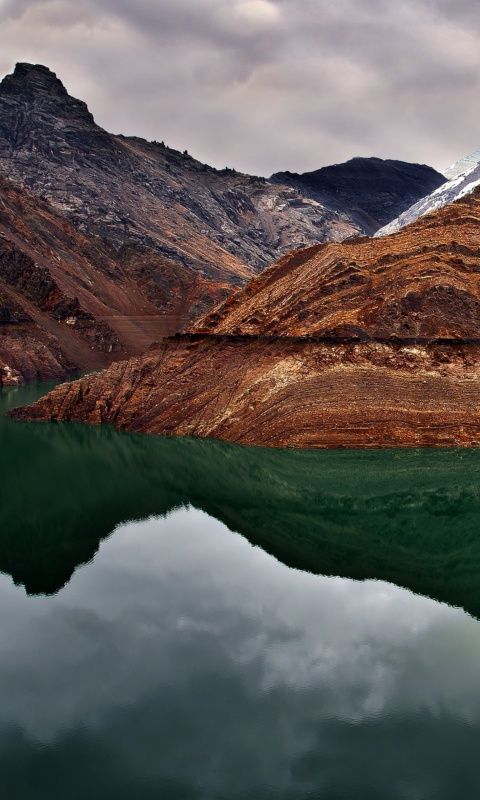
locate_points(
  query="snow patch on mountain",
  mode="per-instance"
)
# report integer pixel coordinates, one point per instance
(464, 177)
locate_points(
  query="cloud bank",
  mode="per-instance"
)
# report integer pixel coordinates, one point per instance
(265, 85)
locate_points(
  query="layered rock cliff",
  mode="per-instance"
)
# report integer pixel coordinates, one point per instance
(366, 343)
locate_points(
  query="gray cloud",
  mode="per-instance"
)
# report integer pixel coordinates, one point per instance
(265, 85)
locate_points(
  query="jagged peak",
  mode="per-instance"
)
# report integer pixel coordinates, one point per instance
(28, 81)
(36, 74)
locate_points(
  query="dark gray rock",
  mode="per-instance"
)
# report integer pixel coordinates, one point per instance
(370, 190)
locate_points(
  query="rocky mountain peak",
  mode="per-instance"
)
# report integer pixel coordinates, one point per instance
(37, 90)
(35, 76)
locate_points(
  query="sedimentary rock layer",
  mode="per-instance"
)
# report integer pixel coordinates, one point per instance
(285, 394)
(423, 282)
(359, 344)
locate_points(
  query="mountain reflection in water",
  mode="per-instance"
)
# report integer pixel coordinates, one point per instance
(183, 663)
(409, 517)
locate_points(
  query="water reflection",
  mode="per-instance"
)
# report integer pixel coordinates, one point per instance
(185, 663)
(410, 517)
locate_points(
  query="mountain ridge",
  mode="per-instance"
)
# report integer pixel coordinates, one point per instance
(138, 238)
(103, 182)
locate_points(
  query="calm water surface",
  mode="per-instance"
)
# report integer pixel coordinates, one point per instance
(161, 637)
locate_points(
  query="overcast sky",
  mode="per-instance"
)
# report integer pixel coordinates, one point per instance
(266, 85)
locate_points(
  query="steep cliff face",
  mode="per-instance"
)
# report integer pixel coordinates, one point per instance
(370, 190)
(388, 358)
(221, 224)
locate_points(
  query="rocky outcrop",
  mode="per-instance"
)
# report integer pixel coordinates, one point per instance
(370, 190)
(366, 343)
(419, 285)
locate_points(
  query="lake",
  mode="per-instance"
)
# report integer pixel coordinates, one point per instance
(190, 620)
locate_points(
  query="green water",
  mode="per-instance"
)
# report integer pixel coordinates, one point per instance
(410, 517)
(147, 650)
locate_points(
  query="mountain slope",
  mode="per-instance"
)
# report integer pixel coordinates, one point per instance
(366, 343)
(463, 177)
(68, 301)
(224, 225)
(370, 190)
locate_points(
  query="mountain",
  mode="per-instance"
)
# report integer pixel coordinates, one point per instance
(365, 343)
(110, 242)
(223, 225)
(370, 190)
(143, 238)
(463, 177)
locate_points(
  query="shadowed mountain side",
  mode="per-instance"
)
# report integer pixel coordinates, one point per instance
(370, 343)
(372, 191)
(409, 517)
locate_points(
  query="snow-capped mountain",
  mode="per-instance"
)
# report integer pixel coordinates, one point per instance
(463, 176)
(463, 165)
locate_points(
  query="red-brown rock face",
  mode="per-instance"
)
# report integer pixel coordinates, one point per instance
(424, 282)
(361, 344)
(68, 301)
